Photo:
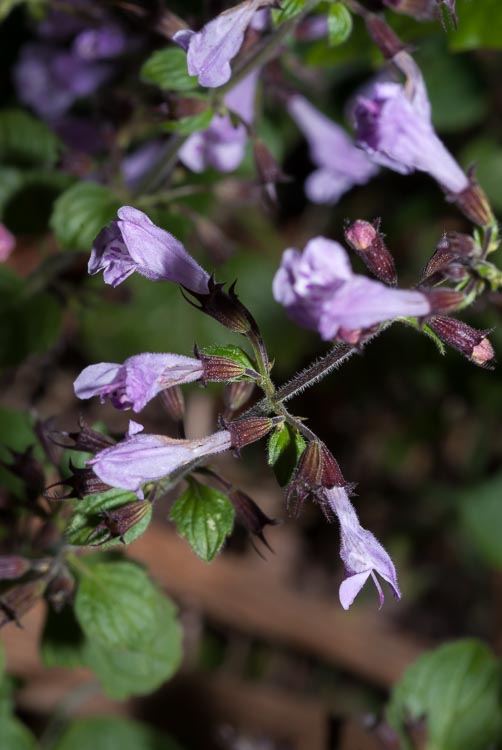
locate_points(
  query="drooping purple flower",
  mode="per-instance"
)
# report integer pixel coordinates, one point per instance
(134, 383)
(393, 125)
(340, 165)
(101, 43)
(7, 243)
(362, 554)
(135, 243)
(320, 291)
(50, 79)
(222, 145)
(144, 458)
(210, 50)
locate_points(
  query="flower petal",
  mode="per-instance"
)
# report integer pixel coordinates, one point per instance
(351, 586)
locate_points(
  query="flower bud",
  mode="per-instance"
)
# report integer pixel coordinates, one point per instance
(82, 482)
(13, 566)
(219, 369)
(18, 600)
(317, 471)
(368, 243)
(116, 523)
(472, 343)
(474, 203)
(251, 515)
(86, 439)
(245, 431)
(225, 308)
(237, 395)
(453, 250)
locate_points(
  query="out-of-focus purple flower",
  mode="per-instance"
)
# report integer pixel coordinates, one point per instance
(222, 145)
(50, 80)
(7, 242)
(135, 243)
(140, 161)
(101, 43)
(145, 458)
(320, 291)
(393, 125)
(60, 25)
(80, 134)
(210, 50)
(362, 554)
(134, 383)
(340, 165)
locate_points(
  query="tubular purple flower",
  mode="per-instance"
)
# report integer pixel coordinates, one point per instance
(102, 43)
(393, 125)
(145, 458)
(362, 554)
(139, 379)
(210, 50)
(135, 243)
(340, 165)
(222, 145)
(320, 291)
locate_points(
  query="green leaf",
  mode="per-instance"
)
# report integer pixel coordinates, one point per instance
(63, 641)
(88, 514)
(167, 68)
(110, 733)
(480, 25)
(288, 9)
(190, 124)
(14, 735)
(481, 516)
(116, 602)
(339, 24)
(285, 447)
(434, 337)
(81, 212)
(235, 353)
(11, 180)
(457, 689)
(24, 140)
(204, 517)
(139, 669)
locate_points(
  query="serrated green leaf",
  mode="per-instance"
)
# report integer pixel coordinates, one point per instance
(81, 212)
(110, 733)
(24, 140)
(115, 603)
(63, 641)
(457, 688)
(87, 515)
(235, 353)
(481, 516)
(288, 9)
(339, 24)
(434, 337)
(204, 517)
(167, 68)
(139, 669)
(285, 447)
(190, 124)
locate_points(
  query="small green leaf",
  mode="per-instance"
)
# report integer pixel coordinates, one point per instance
(190, 124)
(116, 602)
(167, 68)
(109, 733)
(285, 447)
(24, 140)
(339, 24)
(235, 353)
(288, 9)
(63, 641)
(81, 212)
(204, 517)
(88, 514)
(457, 688)
(141, 668)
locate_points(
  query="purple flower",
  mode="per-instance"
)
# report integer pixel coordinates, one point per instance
(102, 43)
(340, 165)
(134, 383)
(362, 554)
(222, 145)
(137, 163)
(210, 50)
(7, 243)
(50, 80)
(393, 124)
(145, 458)
(320, 291)
(134, 243)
